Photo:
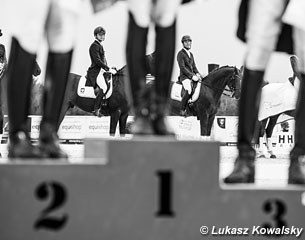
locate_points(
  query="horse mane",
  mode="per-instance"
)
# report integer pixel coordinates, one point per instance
(220, 68)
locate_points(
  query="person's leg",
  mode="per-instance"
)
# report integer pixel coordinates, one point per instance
(165, 53)
(296, 173)
(27, 33)
(19, 86)
(61, 29)
(164, 16)
(135, 55)
(188, 90)
(263, 28)
(98, 102)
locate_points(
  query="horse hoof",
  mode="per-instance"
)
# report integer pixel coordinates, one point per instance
(272, 156)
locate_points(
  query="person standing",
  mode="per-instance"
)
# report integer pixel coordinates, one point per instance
(98, 62)
(55, 19)
(151, 108)
(263, 30)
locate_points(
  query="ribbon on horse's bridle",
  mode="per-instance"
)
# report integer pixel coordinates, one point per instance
(222, 91)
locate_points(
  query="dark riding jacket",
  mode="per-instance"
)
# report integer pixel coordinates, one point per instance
(98, 61)
(2, 54)
(186, 64)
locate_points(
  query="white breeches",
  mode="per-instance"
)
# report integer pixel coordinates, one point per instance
(187, 84)
(299, 46)
(100, 80)
(55, 19)
(161, 12)
(295, 16)
(263, 28)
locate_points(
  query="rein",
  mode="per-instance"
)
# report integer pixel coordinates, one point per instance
(224, 91)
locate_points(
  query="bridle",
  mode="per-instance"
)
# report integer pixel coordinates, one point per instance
(226, 92)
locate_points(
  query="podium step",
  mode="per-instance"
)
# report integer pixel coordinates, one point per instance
(148, 189)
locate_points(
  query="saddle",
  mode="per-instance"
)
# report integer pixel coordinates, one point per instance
(178, 91)
(104, 81)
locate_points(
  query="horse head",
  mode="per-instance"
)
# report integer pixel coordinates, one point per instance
(234, 82)
(225, 76)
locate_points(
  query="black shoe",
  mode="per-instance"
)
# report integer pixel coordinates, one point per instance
(142, 124)
(160, 126)
(244, 168)
(97, 112)
(48, 142)
(20, 147)
(296, 172)
(183, 113)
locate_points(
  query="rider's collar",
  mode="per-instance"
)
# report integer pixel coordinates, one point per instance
(188, 52)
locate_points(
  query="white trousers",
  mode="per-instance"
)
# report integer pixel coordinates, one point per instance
(263, 28)
(161, 12)
(54, 19)
(187, 84)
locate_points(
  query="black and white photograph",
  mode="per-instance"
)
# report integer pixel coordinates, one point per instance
(152, 119)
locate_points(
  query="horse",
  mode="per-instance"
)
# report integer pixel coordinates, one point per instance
(117, 107)
(270, 112)
(206, 98)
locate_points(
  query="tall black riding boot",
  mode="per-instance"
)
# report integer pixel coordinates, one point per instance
(19, 86)
(296, 174)
(244, 169)
(136, 63)
(165, 54)
(57, 72)
(184, 102)
(98, 102)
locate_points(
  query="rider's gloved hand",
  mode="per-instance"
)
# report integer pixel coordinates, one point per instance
(112, 71)
(195, 78)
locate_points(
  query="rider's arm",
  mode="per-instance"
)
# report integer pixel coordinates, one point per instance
(95, 57)
(181, 58)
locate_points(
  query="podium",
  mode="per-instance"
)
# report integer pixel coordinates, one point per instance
(154, 188)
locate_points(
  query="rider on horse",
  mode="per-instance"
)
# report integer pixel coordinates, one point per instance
(188, 71)
(98, 62)
(3, 60)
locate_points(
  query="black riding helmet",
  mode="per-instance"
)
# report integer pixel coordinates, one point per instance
(99, 30)
(186, 38)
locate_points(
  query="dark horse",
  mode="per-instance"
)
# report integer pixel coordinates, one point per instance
(118, 106)
(266, 125)
(211, 89)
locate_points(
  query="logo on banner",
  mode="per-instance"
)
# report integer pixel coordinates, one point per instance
(221, 122)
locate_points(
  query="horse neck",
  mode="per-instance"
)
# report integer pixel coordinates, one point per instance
(118, 79)
(219, 81)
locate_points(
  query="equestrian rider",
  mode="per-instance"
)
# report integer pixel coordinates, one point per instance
(188, 71)
(151, 108)
(264, 31)
(3, 60)
(98, 62)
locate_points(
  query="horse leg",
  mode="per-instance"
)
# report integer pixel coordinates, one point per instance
(269, 131)
(122, 123)
(203, 126)
(114, 118)
(259, 139)
(210, 125)
(63, 112)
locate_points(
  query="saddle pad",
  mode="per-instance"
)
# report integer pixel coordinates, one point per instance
(277, 98)
(83, 90)
(176, 92)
